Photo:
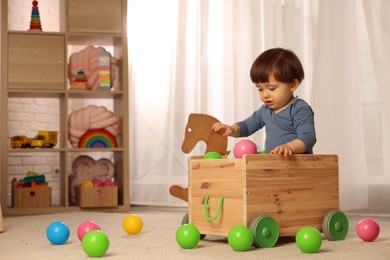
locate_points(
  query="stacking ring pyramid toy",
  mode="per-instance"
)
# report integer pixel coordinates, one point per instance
(35, 23)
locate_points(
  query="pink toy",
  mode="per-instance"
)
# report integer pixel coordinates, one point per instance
(96, 183)
(85, 227)
(244, 147)
(108, 183)
(86, 168)
(87, 60)
(367, 229)
(91, 117)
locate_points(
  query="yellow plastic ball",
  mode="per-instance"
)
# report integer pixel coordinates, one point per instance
(86, 183)
(132, 224)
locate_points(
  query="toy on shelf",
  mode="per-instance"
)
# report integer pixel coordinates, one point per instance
(32, 180)
(104, 71)
(97, 138)
(93, 117)
(35, 23)
(44, 139)
(97, 64)
(32, 191)
(86, 168)
(198, 128)
(80, 81)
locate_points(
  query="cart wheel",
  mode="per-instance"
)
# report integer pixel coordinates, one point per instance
(335, 225)
(265, 231)
(185, 221)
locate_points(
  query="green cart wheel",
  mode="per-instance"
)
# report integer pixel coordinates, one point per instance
(185, 221)
(335, 225)
(265, 231)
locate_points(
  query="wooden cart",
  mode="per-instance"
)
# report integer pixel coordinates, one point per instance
(274, 196)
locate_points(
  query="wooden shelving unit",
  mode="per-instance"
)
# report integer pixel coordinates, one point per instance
(35, 65)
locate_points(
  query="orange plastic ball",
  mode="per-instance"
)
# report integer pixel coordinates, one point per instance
(132, 224)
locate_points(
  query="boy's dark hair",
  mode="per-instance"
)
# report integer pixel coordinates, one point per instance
(283, 64)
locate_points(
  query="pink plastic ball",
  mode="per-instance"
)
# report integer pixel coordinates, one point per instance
(367, 229)
(108, 183)
(244, 147)
(85, 227)
(96, 183)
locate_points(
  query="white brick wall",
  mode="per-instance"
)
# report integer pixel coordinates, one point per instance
(28, 115)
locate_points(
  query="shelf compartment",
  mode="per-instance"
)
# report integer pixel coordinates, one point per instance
(95, 16)
(36, 61)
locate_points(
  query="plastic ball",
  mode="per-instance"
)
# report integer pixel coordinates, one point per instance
(244, 147)
(108, 183)
(308, 239)
(212, 155)
(132, 224)
(57, 233)
(96, 183)
(95, 243)
(240, 238)
(86, 227)
(367, 229)
(187, 236)
(87, 183)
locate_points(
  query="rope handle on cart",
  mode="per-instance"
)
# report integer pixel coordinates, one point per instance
(207, 206)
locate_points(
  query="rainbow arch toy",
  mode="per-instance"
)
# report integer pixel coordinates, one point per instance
(97, 138)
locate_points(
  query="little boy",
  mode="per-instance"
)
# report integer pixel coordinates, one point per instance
(288, 120)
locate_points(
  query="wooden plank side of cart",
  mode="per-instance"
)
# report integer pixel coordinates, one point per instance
(296, 191)
(216, 178)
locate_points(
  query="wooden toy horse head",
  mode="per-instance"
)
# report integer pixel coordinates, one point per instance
(199, 129)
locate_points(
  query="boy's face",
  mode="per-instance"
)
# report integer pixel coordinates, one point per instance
(277, 95)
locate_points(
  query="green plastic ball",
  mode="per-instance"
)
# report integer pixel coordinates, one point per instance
(212, 155)
(95, 243)
(240, 238)
(187, 236)
(308, 239)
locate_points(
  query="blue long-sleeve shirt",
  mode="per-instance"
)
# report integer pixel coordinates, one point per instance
(294, 122)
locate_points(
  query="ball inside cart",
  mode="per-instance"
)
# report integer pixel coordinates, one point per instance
(57, 233)
(308, 239)
(86, 227)
(187, 236)
(95, 243)
(132, 224)
(368, 229)
(244, 147)
(212, 155)
(240, 238)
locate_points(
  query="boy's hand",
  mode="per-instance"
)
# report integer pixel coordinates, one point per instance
(283, 149)
(223, 129)
(295, 146)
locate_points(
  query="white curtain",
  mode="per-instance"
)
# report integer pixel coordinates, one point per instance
(377, 100)
(194, 57)
(337, 98)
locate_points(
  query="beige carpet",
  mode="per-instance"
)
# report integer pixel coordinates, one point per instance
(24, 238)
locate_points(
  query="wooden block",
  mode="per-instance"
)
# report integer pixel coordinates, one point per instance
(296, 191)
(31, 197)
(90, 197)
